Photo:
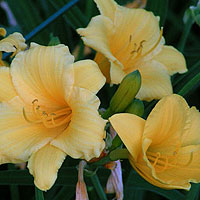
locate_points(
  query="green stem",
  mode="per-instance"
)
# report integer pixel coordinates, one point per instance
(38, 194)
(117, 154)
(98, 187)
(108, 113)
(13, 188)
(185, 33)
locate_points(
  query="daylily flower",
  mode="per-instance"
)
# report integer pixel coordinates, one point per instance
(12, 43)
(49, 111)
(130, 39)
(165, 148)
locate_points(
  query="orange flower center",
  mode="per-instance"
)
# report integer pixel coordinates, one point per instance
(50, 120)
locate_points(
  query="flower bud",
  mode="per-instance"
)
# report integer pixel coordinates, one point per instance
(126, 92)
(136, 108)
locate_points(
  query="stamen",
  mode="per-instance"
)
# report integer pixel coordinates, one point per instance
(28, 120)
(156, 44)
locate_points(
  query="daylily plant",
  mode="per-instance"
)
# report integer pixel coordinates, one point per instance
(165, 148)
(49, 110)
(130, 39)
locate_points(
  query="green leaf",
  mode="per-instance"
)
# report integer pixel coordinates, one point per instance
(135, 181)
(159, 8)
(193, 193)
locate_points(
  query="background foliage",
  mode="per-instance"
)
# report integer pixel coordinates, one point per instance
(180, 30)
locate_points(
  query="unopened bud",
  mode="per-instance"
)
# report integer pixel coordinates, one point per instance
(136, 108)
(126, 92)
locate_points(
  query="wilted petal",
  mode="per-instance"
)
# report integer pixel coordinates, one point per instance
(155, 81)
(81, 190)
(88, 75)
(84, 136)
(43, 73)
(7, 90)
(44, 165)
(130, 128)
(172, 59)
(18, 138)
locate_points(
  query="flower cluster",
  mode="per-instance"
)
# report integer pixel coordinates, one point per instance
(49, 104)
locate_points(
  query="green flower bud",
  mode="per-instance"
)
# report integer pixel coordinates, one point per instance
(126, 92)
(136, 107)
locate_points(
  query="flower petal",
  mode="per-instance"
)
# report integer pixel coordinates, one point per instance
(18, 138)
(116, 73)
(44, 165)
(104, 65)
(88, 75)
(166, 123)
(172, 59)
(186, 169)
(191, 135)
(140, 25)
(130, 128)
(98, 34)
(43, 73)
(155, 81)
(13, 43)
(84, 136)
(7, 90)
(107, 8)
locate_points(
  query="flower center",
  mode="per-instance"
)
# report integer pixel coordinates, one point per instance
(135, 52)
(163, 162)
(50, 120)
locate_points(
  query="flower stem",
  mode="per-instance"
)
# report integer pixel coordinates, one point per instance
(95, 180)
(38, 194)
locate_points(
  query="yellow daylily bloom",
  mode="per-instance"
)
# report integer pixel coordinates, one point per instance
(165, 148)
(130, 39)
(49, 111)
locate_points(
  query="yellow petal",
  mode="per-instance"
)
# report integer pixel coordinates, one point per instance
(43, 73)
(107, 8)
(104, 65)
(166, 123)
(18, 138)
(116, 73)
(140, 25)
(13, 43)
(186, 169)
(84, 136)
(155, 81)
(7, 90)
(2, 32)
(98, 34)
(44, 165)
(172, 59)
(191, 134)
(88, 75)
(130, 128)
